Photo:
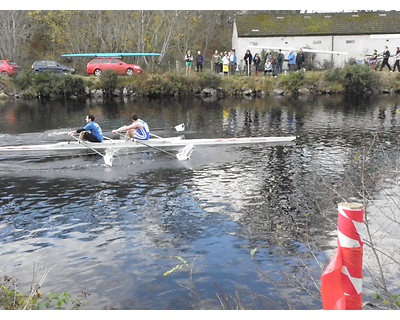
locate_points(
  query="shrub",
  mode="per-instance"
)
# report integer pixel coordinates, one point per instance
(48, 85)
(292, 82)
(73, 86)
(358, 80)
(333, 75)
(209, 79)
(108, 82)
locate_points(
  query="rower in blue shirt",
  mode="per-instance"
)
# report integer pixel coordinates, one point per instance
(91, 132)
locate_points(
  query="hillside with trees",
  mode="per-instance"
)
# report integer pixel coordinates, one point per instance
(26, 36)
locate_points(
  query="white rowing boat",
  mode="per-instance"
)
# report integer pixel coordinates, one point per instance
(170, 143)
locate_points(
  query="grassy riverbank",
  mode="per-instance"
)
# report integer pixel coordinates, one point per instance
(351, 80)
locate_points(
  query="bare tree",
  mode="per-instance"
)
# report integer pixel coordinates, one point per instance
(48, 34)
(14, 32)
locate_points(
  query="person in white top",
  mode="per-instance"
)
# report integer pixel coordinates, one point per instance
(138, 129)
(188, 60)
(225, 63)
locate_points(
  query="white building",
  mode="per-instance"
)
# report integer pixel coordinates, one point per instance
(352, 34)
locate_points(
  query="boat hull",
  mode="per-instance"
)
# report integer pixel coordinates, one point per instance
(175, 142)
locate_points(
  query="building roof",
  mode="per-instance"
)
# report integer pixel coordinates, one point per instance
(314, 24)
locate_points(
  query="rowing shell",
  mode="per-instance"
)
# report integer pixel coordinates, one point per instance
(130, 144)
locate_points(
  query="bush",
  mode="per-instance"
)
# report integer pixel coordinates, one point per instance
(209, 79)
(48, 85)
(358, 80)
(73, 86)
(292, 82)
(170, 84)
(333, 75)
(108, 82)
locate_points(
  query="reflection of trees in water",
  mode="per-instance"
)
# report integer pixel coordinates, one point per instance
(287, 207)
(271, 219)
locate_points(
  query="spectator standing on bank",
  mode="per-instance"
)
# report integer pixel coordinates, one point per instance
(256, 61)
(291, 61)
(300, 59)
(221, 66)
(248, 58)
(268, 67)
(216, 60)
(274, 65)
(225, 64)
(397, 62)
(188, 59)
(232, 62)
(385, 61)
(199, 61)
(279, 59)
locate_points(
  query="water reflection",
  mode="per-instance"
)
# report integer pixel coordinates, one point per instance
(114, 231)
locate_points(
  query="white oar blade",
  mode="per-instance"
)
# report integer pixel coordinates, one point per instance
(108, 159)
(185, 152)
(180, 127)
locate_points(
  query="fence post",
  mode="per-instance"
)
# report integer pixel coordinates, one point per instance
(341, 282)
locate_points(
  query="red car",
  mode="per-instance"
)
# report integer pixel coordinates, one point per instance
(99, 65)
(9, 68)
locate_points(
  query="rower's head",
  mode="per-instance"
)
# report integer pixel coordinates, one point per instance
(90, 117)
(134, 117)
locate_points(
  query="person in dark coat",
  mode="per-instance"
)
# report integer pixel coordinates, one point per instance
(256, 61)
(385, 61)
(199, 61)
(300, 59)
(248, 59)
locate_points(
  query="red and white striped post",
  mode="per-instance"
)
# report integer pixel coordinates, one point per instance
(341, 282)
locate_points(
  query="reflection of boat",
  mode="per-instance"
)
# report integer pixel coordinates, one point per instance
(133, 144)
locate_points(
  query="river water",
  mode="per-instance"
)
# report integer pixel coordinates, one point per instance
(238, 226)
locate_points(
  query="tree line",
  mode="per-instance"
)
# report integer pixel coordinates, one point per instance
(26, 36)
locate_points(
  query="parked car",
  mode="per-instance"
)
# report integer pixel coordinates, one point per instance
(9, 68)
(51, 66)
(99, 65)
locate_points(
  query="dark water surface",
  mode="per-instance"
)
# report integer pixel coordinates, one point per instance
(77, 225)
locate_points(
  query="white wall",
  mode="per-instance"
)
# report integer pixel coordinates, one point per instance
(356, 46)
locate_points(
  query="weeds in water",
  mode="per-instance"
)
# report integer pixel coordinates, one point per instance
(178, 266)
(252, 253)
(12, 299)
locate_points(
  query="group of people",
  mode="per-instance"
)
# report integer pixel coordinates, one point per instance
(92, 131)
(224, 62)
(385, 59)
(189, 61)
(273, 64)
(218, 60)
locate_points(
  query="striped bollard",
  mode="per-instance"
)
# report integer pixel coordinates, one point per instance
(341, 282)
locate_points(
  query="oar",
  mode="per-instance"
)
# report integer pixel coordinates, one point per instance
(179, 127)
(154, 135)
(183, 154)
(107, 158)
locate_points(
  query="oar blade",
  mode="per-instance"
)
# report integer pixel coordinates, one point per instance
(185, 152)
(180, 127)
(108, 159)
